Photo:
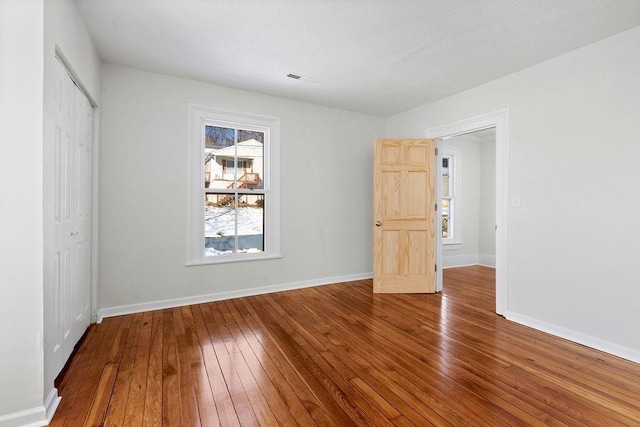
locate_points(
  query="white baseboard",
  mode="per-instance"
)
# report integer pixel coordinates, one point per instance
(219, 296)
(51, 404)
(577, 337)
(487, 260)
(34, 417)
(466, 260)
(28, 418)
(462, 260)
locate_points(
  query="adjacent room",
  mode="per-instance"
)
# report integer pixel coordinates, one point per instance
(215, 212)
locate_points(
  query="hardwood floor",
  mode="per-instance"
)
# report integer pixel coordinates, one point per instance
(340, 355)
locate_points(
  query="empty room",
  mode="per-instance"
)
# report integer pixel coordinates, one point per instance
(304, 212)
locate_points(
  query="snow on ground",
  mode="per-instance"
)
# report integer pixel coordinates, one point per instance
(213, 251)
(220, 221)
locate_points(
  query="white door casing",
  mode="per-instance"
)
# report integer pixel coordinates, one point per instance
(500, 121)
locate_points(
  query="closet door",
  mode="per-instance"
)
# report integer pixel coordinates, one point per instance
(71, 172)
(81, 198)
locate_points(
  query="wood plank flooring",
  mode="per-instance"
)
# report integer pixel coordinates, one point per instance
(339, 355)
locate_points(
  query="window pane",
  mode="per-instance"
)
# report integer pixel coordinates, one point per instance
(251, 224)
(445, 219)
(445, 186)
(219, 148)
(250, 165)
(233, 229)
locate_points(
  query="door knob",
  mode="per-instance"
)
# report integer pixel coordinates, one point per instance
(378, 223)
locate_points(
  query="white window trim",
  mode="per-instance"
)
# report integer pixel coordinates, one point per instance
(455, 229)
(198, 114)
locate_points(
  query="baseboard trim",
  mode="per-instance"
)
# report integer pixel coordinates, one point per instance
(51, 404)
(466, 260)
(28, 418)
(219, 296)
(487, 260)
(463, 260)
(34, 417)
(577, 337)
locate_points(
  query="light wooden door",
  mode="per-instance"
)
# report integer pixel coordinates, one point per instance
(70, 170)
(404, 216)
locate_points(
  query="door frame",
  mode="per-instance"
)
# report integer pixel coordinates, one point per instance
(499, 120)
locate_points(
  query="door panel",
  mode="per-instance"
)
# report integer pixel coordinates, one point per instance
(82, 212)
(63, 219)
(417, 183)
(417, 245)
(404, 215)
(390, 186)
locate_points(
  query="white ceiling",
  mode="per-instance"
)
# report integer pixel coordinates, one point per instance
(373, 56)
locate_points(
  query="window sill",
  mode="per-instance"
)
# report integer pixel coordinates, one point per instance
(228, 260)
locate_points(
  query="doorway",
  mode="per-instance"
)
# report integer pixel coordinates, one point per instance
(467, 175)
(499, 121)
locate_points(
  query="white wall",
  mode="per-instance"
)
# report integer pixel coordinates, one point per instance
(573, 153)
(21, 72)
(487, 211)
(326, 191)
(64, 27)
(65, 31)
(29, 31)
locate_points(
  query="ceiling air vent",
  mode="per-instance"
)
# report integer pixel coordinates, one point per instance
(302, 78)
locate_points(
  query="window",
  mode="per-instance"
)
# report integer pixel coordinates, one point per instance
(231, 164)
(448, 198)
(233, 186)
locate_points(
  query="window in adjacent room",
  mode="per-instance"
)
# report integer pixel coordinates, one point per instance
(233, 180)
(448, 198)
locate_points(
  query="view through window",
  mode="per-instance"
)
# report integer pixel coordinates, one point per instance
(234, 192)
(447, 197)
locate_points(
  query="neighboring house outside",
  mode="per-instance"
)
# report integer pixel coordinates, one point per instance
(223, 166)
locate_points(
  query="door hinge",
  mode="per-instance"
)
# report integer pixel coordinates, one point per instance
(436, 267)
(436, 151)
(436, 207)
